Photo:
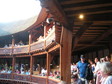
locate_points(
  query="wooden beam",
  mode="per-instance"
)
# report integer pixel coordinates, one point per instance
(31, 64)
(65, 56)
(48, 66)
(92, 33)
(104, 35)
(95, 30)
(80, 32)
(78, 45)
(55, 9)
(94, 23)
(89, 13)
(101, 37)
(13, 64)
(87, 7)
(54, 48)
(22, 56)
(48, 63)
(74, 1)
(39, 53)
(61, 35)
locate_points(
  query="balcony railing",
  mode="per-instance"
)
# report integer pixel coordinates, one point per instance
(28, 78)
(22, 49)
(5, 51)
(39, 45)
(50, 38)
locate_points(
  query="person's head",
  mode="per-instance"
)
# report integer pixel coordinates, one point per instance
(102, 60)
(96, 60)
(90, 61)
(107, 58)
(82, 57)
(105, 68)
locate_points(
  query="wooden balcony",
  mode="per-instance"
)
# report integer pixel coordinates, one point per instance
(36, 46)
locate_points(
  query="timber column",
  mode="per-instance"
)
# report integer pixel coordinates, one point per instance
(30, 40)
(44, 24)
(31, 64)
(65, 55)
(31, 57)
(13, 57)
(48, 66)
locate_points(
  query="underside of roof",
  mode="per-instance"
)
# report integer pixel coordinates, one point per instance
(95, 30)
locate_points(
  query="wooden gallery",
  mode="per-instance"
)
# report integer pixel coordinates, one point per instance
(41, 49)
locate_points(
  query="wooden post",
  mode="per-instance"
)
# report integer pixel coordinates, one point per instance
(13, 42)
(48, 66)
(13, 64)
(13, 59)
(31, 66)
(30, 40)
(65, 56)
(44, 35)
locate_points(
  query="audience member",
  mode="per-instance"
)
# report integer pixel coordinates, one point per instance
(82, 66)
(105, 73)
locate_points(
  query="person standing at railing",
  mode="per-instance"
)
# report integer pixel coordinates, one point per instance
(5, 46)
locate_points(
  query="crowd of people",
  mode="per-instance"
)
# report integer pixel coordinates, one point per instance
(82, 72)
(92, 72)
(53, 74)
(5, 68)
(16, 45)
(22, 69)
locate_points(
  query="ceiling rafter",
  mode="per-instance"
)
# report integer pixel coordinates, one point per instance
(89, 13)
(94, 23)
(79, 33)
(88, 7)
(74, 1)
(90, 45)
(104, 35)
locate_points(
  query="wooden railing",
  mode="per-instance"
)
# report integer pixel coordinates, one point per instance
(5, 51)
(28, 78)
(6, 76)
(22, 49)
(50, 38)
(39, 45)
